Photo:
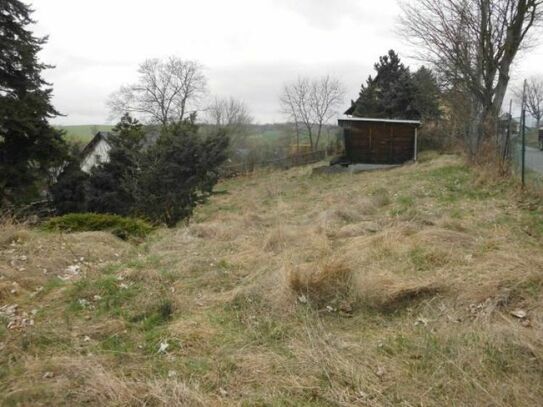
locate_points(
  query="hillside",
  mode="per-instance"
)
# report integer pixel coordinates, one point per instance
(83, 133)
(420, 285)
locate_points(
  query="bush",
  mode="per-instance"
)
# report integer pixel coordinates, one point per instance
(119, 226)
(178, 173)
(110, 184)
(160, 180)
(69, 193)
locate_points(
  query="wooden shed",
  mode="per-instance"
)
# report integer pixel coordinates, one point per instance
(379, 141)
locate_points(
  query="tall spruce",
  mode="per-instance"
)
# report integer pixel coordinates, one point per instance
(395, 93)
(30, 149)
(426, 100)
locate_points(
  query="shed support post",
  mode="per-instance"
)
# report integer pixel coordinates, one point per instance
(415, 147)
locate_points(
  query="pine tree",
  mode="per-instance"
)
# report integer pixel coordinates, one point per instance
(30, 149)
(427, 94)
(390, 94)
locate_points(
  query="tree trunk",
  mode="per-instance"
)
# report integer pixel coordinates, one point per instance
(475, 133)
(297, 127)
(319, 130)
(310, 135)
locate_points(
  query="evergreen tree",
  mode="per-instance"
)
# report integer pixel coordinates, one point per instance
(160, 180)
(178, 173)
(427, 94)
(30, 149)
(390, 94)
(69, 193)
(111, 184)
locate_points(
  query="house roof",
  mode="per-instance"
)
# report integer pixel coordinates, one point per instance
(101, 135)
(149, 139)
(348, 118)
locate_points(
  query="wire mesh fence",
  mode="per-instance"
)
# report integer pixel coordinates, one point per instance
(533, 164)
(295, 160)
(525, 147)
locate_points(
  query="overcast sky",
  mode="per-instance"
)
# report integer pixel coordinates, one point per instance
(249, 48)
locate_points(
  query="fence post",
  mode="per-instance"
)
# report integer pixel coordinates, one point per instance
(506, 145)
(523, 121)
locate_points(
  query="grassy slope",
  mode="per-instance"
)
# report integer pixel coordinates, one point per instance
(386, 288)
(83, 133)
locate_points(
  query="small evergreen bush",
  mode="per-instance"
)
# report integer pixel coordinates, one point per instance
(124, 228)
(161, 180)
(69, 192)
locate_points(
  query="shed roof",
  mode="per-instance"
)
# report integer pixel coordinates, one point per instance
(347, 118)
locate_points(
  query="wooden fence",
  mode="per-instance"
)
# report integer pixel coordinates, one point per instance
(282, 163)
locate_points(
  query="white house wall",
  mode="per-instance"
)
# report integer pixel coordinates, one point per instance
(100, 154)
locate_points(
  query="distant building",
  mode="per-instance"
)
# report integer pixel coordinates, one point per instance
(96, 152)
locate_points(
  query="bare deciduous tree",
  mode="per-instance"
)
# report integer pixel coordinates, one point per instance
(311, 104)
(472, 44)
(231, 115)
(167, 91)
(289, 105)
(534, 97)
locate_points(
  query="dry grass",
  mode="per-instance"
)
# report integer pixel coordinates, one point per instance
(386, 288)
(320, 283)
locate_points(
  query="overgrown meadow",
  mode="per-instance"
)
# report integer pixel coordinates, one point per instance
(415, 286)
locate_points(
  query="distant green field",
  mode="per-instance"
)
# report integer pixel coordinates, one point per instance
(83, 133)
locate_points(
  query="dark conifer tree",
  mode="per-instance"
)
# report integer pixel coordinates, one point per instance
(390, 94)
(69, 193)
(179, 172)
(427, 94)
(30, 149)
(111, 183)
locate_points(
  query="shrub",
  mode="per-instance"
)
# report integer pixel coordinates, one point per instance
(110, 184)
(69, 191)
(160, 180)
(177, 173)
(119, 226)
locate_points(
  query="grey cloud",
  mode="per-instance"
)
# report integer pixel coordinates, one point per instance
(329, 14)
(260, 86)
(257, 85)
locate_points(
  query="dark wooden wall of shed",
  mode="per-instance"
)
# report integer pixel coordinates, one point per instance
(379, 143)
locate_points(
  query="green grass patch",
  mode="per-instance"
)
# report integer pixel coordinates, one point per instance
(456, 183)
(156, 314)
(106, 294)
(124, 228)
(83, 133)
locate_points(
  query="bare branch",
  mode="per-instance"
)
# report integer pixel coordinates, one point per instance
(472, 45)
(311, 104)
(167, 91)
(230, 115)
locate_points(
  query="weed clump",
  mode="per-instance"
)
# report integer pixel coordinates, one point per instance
(124, 228)
(320, 284)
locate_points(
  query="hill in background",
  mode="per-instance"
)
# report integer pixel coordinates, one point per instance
(83, 133)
